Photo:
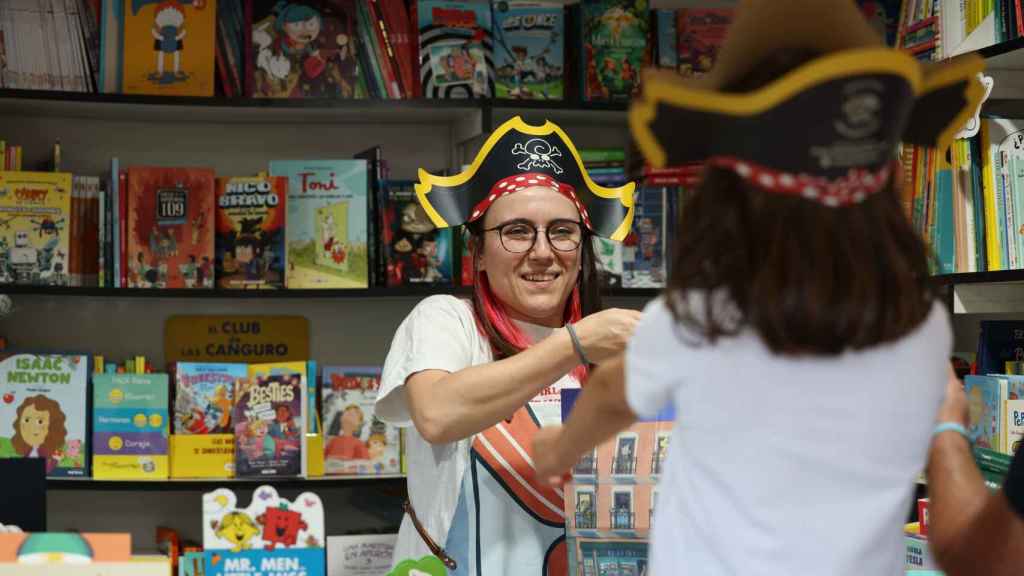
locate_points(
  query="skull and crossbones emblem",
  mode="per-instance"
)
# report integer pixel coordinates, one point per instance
(539, 154)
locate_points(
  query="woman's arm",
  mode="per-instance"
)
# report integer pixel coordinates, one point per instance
(971, 531)
(600, 412)
(447, 406)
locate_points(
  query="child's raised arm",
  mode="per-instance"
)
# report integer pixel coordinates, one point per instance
(599, 414)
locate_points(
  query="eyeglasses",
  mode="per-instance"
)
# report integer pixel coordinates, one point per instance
(518, 236)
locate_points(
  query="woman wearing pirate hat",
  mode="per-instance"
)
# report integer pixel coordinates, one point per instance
(798, 339)
(474, 380)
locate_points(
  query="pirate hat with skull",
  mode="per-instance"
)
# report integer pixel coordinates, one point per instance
(517, 156)
(828, 130)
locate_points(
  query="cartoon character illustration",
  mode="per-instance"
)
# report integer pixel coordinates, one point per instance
(220, 406)
(168, 33)
(26, 264)
(198, 225)
(282, 430)
(39, 430)
(281, 526)
(979, 418)
(427, 261)
(344, 431)
(48, 226)
(205, 273)
(238, 529)
(189, 271)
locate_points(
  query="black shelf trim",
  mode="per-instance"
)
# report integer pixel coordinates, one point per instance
(209, 484)
(1002, 48)
(397, 292)
(309, 103)
(997, 277)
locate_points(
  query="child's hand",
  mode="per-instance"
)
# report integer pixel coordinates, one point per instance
(547, 448)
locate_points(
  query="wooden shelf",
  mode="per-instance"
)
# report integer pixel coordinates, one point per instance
(207, 484)
(365, 293)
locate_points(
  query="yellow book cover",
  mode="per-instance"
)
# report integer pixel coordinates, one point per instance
(992, 245)
(202, 455)
(169, 47)
(35, 213)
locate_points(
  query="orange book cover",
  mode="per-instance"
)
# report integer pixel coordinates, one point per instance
(170, 227)
(169, 47)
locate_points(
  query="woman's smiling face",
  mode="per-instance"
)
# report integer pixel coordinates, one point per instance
(534, 285)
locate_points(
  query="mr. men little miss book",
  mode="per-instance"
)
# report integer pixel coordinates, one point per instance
(327, 221)
(43, 410)
(170, 227)
(250, 232)
(169, 47)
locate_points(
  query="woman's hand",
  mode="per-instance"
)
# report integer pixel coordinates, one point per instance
(605, 334)
(551, 466)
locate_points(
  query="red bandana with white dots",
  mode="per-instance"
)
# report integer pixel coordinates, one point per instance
(518, 182)
(854, 187)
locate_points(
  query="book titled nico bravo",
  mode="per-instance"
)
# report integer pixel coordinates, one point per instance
(269, 420)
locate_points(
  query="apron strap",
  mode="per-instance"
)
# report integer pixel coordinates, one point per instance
(434, 548)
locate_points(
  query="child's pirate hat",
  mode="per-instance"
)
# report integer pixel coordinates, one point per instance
(827, 130)
(516, 156)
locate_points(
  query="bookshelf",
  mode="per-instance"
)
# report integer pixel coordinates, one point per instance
(364, 293)
(391, 481)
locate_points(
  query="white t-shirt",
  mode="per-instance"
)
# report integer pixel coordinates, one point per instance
(786, 466)
(441, 334)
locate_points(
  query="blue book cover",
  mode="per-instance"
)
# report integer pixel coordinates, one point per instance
(984, 402)
(327, 222)
(668, 51)
(643, 254)
(205, 396)
(999, 341)
(456, 49)
(529, 39)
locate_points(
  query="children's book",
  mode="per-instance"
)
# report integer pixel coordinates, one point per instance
(35, 223)
(304, 49)
(269, 420)
(985, 403)
(643, 251)
(251, 215)
(615, 48)
(529, 38)
(170, 227)
(1014, 425)
(455, 49)
(130, 426)
(355, 441)
(43, 410)
(612, 496)
(169, 47)
(204, 395)
(609, 261)
(416, 251)
(327, 221)
(701, 31)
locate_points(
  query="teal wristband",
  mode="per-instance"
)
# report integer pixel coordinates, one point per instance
(954, 427)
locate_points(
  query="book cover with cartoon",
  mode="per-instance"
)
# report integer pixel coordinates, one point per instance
(204, 393)
(169, 47)
(609, 261)
(984, 402)
(643, 250)
(327, 222)
(700, 33)
(615, 48)
(456, 48)
(270, 536)
(355, 441)
(250, 232)
(170, 227)
(529, 39)
(304, 49)
(131, 426)
(43, 410)
(269, 420)
(416, 252)
(35, 222)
